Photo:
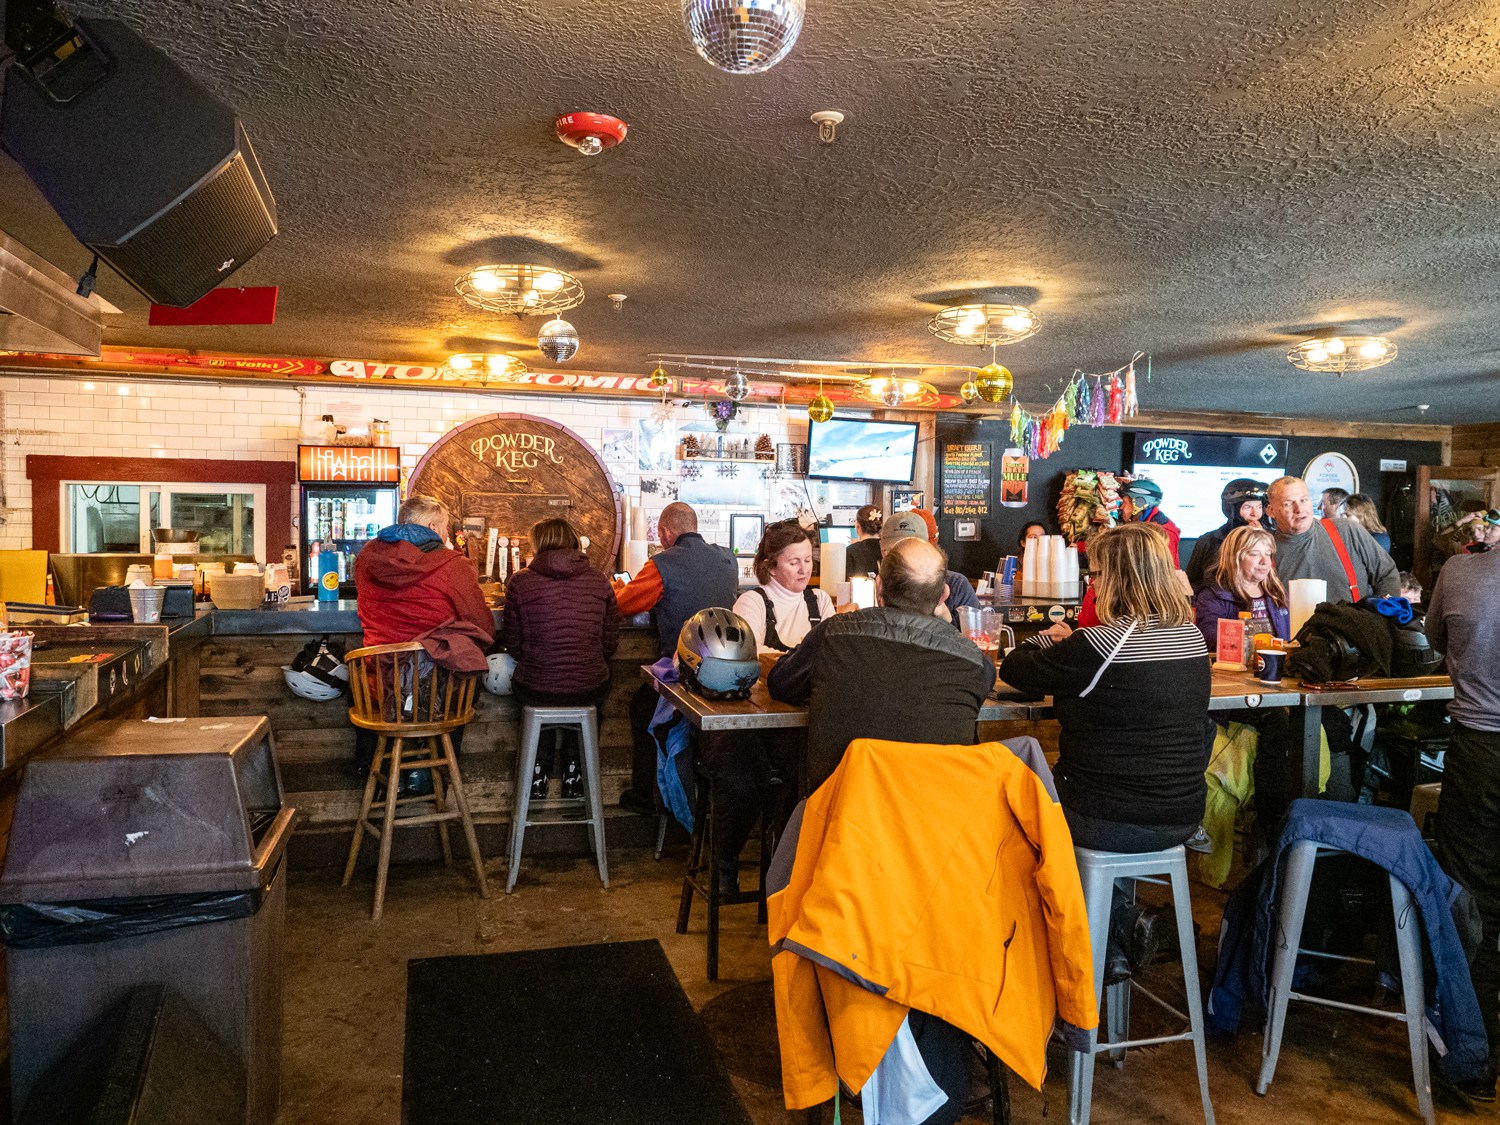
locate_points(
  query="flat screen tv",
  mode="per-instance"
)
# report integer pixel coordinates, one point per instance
(849, 449)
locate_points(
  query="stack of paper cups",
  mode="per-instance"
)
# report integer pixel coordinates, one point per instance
(1029, 568)
(635, 555)
(831, 567)
(1045, 551)
(1305, 595)
(1070, 570)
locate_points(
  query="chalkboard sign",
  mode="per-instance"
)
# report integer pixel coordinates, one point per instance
(966, 479)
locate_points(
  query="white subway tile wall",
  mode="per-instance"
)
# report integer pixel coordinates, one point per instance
(81, 417)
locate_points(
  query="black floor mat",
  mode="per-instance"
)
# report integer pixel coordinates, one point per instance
(601, 1034)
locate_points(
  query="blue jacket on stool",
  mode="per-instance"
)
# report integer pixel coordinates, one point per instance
(1389, 839)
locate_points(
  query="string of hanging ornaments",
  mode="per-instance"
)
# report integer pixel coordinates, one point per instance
(521, 289)
(878, 383)
(1087, 400)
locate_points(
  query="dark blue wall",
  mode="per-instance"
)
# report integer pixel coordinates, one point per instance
(1111, 448)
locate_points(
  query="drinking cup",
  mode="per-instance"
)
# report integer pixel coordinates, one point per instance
(1268, 663)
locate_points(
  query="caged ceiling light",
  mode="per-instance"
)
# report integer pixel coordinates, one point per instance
(893, 390)
(982, 325)
(743, 36)
(1338, 355)
(486, 367)
(524, 290)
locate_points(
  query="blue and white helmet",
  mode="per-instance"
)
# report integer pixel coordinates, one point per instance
(716, 654)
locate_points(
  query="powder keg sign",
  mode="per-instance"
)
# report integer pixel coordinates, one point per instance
(966, 479)
(506, 472)
(1015, 467)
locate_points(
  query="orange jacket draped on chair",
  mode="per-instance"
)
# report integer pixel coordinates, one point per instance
(940, 878)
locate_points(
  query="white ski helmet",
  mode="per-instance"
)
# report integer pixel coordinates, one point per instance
(318, 673)
(497, 679)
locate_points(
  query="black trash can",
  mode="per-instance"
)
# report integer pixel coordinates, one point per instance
(149, 852)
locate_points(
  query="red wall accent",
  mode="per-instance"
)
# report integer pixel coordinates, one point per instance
(47, 473)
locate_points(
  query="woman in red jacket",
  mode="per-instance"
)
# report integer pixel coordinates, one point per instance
(561, 624)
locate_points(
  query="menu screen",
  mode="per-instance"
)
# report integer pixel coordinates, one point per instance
(1193, 469)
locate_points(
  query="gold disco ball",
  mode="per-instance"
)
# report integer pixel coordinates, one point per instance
(660, 380)
(820, 409)
(969, 391)
(994, 383)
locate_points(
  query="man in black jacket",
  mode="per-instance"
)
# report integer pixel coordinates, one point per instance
(896, 672)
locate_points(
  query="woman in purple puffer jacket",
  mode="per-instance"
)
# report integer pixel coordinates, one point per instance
(1244, 581)
(561, 625)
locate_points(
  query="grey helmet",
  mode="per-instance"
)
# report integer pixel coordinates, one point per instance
(716, 654)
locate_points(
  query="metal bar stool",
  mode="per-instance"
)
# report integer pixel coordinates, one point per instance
(533, 720)
(1099, 871)
(1291, 910)
(403, 697)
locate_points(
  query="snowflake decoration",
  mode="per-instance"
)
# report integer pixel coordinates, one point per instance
(692, 472)
(728, 470)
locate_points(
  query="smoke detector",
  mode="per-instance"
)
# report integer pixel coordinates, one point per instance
(590, 133)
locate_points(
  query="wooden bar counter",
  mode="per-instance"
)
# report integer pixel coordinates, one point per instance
(238, 669)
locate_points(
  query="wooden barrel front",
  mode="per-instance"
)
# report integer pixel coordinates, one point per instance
(513, 470)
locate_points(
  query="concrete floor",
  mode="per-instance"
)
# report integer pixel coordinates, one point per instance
(346, 980)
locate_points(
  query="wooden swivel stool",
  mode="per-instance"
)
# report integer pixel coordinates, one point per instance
(392, 699)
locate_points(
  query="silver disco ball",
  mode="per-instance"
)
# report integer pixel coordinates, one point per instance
(743, 36)
(558, 341)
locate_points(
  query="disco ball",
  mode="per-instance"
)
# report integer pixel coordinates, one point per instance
(660, 380)
(994, 382)
(743, 36)
(558, 341)
(893, 395)
(820, 409)
(969, 391)
(737, 387)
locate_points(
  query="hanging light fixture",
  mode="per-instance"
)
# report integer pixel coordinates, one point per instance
(994, 383)
(743, 36)
(984, 324)
(895, 390)
(558, 341)
(659, 379)
(485, 367)
(737, 387)
(1338, 355)
(524, 290)
(969, 391)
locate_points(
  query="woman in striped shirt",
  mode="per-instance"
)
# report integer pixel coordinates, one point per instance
(1131, 695)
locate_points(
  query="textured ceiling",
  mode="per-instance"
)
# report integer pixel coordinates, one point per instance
(1205, 180)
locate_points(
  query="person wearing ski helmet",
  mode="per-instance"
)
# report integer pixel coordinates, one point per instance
(1244, 504)
(1145, 497)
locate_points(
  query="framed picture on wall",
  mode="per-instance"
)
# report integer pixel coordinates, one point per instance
(745, 530)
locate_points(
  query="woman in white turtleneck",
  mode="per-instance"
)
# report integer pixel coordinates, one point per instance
(782, 609)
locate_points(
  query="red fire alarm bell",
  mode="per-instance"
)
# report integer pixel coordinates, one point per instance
(591, 133)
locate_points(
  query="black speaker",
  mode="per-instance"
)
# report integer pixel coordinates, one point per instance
(148, 169)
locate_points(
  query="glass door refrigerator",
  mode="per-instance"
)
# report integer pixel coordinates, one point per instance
(349, 492)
